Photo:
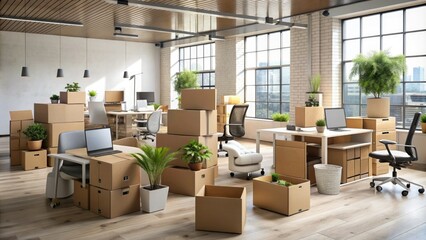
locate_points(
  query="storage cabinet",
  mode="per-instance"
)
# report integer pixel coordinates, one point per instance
(353, 159)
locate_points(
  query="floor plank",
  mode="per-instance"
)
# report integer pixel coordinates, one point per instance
(358, 212)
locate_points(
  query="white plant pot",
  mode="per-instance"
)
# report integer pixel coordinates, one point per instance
(320, 129)
(92, 99)
(154, 200)
(378, 107)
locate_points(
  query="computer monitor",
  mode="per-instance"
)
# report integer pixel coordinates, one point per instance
(149, 96)
(335, 118)
(142, 104)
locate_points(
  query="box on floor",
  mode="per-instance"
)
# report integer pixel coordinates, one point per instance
(221, 209)
(292, 199)
(33, 159)
(114, 203)
(81, 196)
(185, 181)
(54, 129)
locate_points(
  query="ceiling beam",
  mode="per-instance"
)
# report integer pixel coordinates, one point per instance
(154, 29)
(36, 20)
(182, 9)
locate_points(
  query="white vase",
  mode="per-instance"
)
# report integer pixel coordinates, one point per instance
(378, 107)
(154, 200)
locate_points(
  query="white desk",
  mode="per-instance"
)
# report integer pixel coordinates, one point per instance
(357, 136)
(118, 114)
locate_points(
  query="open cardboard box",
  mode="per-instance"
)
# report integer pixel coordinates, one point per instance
(220, 209)
(185, 181)
(281, 199)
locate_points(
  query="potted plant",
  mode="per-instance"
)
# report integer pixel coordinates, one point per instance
(185, 79)
(280, 119)
(275, 177)
(314, 95)
(423, 122)
(154, 160)
(92, 95)
(35, 133)
(54, 98)
(73, 94)
(320, 125)
(378, 74)
(194, 153)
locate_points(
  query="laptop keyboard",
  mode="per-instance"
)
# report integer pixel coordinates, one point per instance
(98, 154)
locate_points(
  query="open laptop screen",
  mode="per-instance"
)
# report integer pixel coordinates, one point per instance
(98, 139)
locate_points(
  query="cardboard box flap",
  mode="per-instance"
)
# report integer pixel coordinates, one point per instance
(222, 191)
(21, 115)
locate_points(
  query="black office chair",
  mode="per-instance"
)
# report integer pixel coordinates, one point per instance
(235, 125)
(398, 159)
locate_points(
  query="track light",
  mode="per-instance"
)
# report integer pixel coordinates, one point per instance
(35, 20)
(118, 33)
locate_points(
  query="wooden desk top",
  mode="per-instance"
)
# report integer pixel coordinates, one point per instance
(311, 132)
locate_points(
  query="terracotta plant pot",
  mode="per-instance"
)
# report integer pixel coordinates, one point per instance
(423, 127)
(195, 166)
(34, 145)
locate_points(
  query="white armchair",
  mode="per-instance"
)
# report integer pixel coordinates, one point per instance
(242, 160)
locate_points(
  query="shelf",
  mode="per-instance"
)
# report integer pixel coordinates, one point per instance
(348, 145)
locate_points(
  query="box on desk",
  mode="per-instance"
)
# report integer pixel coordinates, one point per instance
(221, 209)
(185, 181)
(72, 97)
(307, 116)
(54, 129)
(191, 122)
(174, 142)
(114, 96)
(33, 159)
(198, 99)
(118, 202)
(58, 113)
(81, 195)
(287, 200)
(114, 171)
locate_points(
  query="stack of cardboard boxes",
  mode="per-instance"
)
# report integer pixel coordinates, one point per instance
(58, 118)
(19, 121)
(195, 121)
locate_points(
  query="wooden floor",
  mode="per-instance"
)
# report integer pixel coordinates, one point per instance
(358, 212)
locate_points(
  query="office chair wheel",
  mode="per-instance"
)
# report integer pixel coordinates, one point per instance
(421, 190)
(379, 188)
(408, 185)
(372, 184)
(404, 193)
(55, 203)
(232, 174)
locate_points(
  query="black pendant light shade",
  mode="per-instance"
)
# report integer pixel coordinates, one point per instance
(86, 73)
(125, 75)
(24, 72)
(60, 73)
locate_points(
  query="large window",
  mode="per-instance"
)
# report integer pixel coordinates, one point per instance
(400, 32)
(199, 58)
(267, 83)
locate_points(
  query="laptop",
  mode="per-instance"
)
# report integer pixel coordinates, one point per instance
(99, 142)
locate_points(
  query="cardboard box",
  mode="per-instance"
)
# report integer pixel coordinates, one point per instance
(114, 96)
(191, 122)
(185, 181)
(174, 142)
(72, 97)
(15, 158)
(112, 172)
(354, 122)
(118, 202)
(307, 116)
(221, 209)
(58, 113)
(380, 124)
(14, 143)
(81, 194)
(281, 199)
(21, 115)
(113, 107)
(51, 160)
(17, 127)
(380, 168)
(54, 129)
(290, 158)
(33, 159)
(198, 99)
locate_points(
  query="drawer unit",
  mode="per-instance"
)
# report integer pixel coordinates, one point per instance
(379, 124)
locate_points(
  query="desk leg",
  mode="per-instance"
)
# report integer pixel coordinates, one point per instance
(116, 127)
(83, 175)
(274, 137)
(324, 149)
(258, 142)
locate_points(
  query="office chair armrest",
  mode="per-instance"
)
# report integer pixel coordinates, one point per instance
(410, 146)
(386, 142)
